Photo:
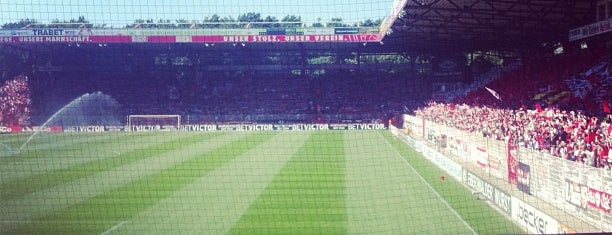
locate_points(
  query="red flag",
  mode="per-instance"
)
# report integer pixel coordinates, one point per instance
(605, 106)
(538, 107)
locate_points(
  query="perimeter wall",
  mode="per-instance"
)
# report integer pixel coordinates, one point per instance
(543, 193)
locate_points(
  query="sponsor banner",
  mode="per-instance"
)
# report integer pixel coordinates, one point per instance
(590, 30)
(533, 219)
(93, 129)
(139, 128)
(275, 31)
(599, 200)
(5, 129)
(347, 30)
(45, 39)
(318, 31)
(499, 198)
(192, 38)
(279, 127)
(523, 177)
(140, 32)
(494, 166)
(576, 194)
(289, 38)
(448, 165)
(582, 196)
(31, 129)
(480, 155)
(46, 32)
(115, 128)
(513, 162)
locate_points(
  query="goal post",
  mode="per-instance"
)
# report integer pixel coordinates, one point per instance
(163, 122)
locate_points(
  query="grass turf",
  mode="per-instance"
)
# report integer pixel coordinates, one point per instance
(243, 183)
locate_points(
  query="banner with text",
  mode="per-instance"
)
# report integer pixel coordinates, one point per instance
(284, 127)
(30, 129)
(523, 177)
(60, 36)
(499, 198)
(590, 30)
(533, 219)
(513, 162)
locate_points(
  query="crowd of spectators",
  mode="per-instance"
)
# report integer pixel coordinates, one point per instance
(570, 135)
(15, 102)
(206, 96)
(569, 94)
(568, 81)
(221, 96)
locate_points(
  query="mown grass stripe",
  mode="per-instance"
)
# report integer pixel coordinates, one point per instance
(63, 155)
(64, 143)
(482, 217)
(307, 195)
(89, 149)
(398, 154)
(47, 201)
(216, 201)
(124, 202)
(22, 187)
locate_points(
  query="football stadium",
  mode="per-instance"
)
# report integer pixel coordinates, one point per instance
(305, 117)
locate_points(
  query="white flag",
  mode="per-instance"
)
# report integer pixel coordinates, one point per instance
(494, 93)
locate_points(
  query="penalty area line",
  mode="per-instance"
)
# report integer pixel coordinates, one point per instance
(113, 228)
(428, 185)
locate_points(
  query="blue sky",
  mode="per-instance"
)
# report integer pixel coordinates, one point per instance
(121, 12)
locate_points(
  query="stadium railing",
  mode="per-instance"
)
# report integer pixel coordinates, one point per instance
(575, 188)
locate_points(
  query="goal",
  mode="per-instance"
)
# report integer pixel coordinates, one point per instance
(153, 122)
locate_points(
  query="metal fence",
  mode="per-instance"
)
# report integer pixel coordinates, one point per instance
(578, 189)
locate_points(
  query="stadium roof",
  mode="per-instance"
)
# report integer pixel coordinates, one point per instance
(440, 26)
(495, 24)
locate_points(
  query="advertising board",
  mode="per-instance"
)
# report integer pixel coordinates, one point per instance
(533, 219)
(496, 196)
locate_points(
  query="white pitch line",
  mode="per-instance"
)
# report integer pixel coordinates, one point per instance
(428, 185)
(113, 228)
(15, 221)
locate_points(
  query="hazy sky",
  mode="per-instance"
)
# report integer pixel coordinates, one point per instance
(117, 12)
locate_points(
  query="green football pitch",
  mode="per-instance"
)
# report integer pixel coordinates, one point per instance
(283, 182)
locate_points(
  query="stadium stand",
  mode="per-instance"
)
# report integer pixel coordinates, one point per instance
(570, 135)
(563, 80)
(15, 102)
(274, 125)
(218, 97)
(570, 118)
